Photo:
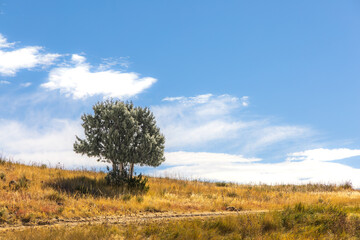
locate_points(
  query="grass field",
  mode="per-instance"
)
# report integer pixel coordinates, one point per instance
(319, 221)
(38, 194)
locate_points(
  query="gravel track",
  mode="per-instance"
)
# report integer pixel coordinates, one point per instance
(126, 219)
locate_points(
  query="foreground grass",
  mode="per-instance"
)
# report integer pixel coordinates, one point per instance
(38, 194)
(319, 221)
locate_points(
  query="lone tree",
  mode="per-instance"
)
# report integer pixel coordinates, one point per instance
(123, 135)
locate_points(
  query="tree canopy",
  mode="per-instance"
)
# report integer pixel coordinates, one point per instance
(123, 135)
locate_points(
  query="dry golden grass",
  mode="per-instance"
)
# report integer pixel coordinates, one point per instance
(41, 194)
(318, 221)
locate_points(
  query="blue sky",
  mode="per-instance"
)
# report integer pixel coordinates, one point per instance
(244, 91)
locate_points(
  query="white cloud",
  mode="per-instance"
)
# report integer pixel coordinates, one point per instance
(204, 98)
(108, 63)
(4, 82)
(172, 99)
(321, 154)
(50, 144)
(225, 167)
(245, 101)
(264, 135)
(80, 80)
(197, 121)
(27, 84)
(4, 43)
(13, 60)
(204, 159)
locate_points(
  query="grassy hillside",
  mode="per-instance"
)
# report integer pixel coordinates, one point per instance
(318, 221)
(37, 195)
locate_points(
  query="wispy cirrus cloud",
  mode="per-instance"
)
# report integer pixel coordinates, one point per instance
(14, 59)
(79, 80)
(27, 84)
(4, 82)
(202, 159)
(186, 121)
(204, 119)
(321, 154)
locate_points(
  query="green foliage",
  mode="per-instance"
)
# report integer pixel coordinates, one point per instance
(221, 184)
(136, 184)
(123, 135)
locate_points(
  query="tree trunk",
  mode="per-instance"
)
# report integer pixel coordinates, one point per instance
(118, 169)
(115, 168)
(121, 168)
(131, 170)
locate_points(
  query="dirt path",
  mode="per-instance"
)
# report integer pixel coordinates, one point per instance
(126, 219)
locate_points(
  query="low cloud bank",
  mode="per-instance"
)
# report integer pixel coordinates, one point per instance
(248, 170)
(52, 144)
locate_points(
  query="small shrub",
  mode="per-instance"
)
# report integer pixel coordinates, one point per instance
(135, 185)
(151, 209)
(126, 197)
(3, 176)
(60, 210)
(139, 199)
(115, 178)
(138, 184)
(221, 184)
(2, 160)
(232, 194)
(347, 186)
(27, 218)
(22, 183)
(55, 196)
(43, 166)
(4, 214)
